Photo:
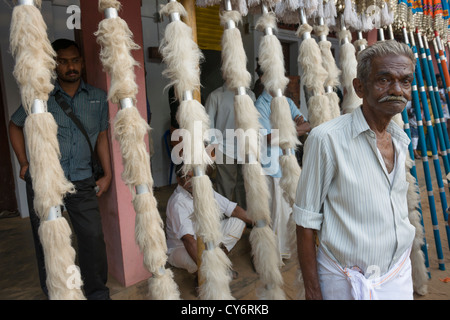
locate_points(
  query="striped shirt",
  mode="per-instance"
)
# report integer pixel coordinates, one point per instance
(90, 106)
(345, 193)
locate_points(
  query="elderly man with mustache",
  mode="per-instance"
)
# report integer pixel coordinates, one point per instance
(352, 190)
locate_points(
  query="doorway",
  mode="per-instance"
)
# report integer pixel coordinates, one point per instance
(8, 201)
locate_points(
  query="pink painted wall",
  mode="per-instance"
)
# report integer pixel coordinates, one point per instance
(125, 261)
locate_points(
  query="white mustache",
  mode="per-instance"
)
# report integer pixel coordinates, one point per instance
(393, 98)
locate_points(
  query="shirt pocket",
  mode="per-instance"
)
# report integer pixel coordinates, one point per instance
(91, 116)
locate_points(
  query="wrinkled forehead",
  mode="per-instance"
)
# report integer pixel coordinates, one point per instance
(392, 64)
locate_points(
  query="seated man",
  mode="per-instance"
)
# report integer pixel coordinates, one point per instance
(181, 239)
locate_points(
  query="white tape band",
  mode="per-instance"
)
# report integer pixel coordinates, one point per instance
(111, 13)
(37, 106)
(54, 213)
(126, 103)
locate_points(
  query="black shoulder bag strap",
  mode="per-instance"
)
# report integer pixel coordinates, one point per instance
(68, 111)
(96, 166)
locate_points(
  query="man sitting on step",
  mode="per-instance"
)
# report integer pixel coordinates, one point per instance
(180, 230)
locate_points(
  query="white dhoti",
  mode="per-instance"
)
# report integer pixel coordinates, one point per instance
(232, 229)
(280, 212)
(339, 283)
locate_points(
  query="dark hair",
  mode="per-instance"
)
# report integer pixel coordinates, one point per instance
(64, 44)
(179, 170)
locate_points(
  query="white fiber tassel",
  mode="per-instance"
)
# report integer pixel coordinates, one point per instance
(271, 56)
(419, 271)
(281, 114)
(334, 101)
(33, 54)
(315, 75)
(246, 118)
(49, 183)
(235, 73)
(310, 59)
(319, 110)
(34, 70)
(192, 117)
(216, 268)
(180, 52)
(234, 59)
(350, 15)
(116, 41)
(149, 233)
(163, 287)
(265, 257)
(330, 66)
(182, 56)
(348, 67)
(310, 7)
(63, 279)
(275, 82)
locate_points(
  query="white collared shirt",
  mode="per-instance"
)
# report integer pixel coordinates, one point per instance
(180, 208)
(345, 193)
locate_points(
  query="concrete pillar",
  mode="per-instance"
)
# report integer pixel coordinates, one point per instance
(125, 260)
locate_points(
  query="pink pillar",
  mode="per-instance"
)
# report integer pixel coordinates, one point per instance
(125, 260)
(371, 36)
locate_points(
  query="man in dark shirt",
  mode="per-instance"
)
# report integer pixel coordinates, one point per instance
(89, 104)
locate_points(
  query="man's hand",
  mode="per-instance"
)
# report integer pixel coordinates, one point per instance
(103, 185)
(308, 264)
(23, 170)
(301, 125)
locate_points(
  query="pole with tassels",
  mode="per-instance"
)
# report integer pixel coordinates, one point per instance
(314, 74)
(34, 70)
(446, 87)
(275, 82)
(447, 79)
(423, 144)
(329, 64)
(262, 238)
(348, 64)
(182, 56)
(116, 41)
(432, 136)
(437, 110)
(419, 252)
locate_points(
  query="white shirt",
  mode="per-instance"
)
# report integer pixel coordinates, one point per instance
(220, 108)
(345, 193)
(180, 208)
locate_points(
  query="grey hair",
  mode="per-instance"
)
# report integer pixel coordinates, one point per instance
(380, 49)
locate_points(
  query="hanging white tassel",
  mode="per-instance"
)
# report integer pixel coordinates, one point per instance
(265, 254)
(348, 67)
(333, 71)
(330, 13)
(350, 15)
(314, 74)
(182, 56)
(116, 41)
(419, 271)
(34, 71)
(275, 82)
